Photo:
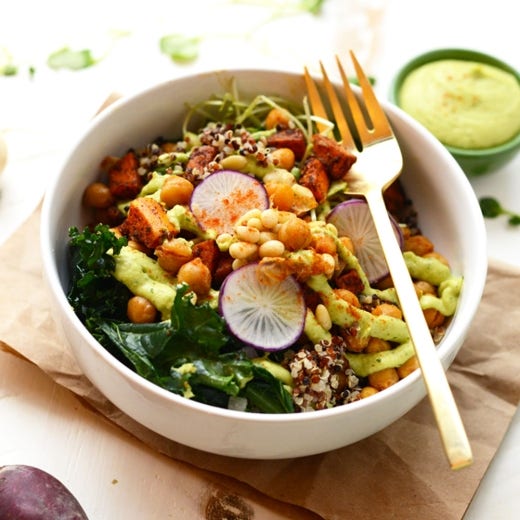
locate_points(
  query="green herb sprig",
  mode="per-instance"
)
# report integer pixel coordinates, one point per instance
(491, 208)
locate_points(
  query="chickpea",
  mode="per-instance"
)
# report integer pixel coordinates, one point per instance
(367, 391)
(97, 195)
(437, 256)
(377, 345)
(433, 318)
(418, 244)
(283, 158)
(172, 254)
(141, 310)
(276, 117)
(383, 378)
(348, 296)
(355, 343)
(197, 275)
(324, 244)
(388, 309)
(295, 234)
(304, 199)
(407, 367)
(176, 190)
(347, 243)
(281, 195)
(422, 287)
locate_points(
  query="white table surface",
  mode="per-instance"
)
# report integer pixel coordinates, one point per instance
(42, 424)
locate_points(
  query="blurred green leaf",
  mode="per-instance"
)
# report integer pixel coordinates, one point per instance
(313, 6)
(180, 48)
(491, 208)
(67, 58)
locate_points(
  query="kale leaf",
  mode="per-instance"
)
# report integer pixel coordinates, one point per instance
(190, 354)
(93, 292)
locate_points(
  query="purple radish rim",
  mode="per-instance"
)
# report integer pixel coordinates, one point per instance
(351, 203)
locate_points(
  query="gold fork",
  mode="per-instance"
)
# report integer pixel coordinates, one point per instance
(379, 162)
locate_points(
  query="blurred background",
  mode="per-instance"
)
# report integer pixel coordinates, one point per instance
(59, 60)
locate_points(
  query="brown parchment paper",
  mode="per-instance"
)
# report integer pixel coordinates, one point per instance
(400, 472)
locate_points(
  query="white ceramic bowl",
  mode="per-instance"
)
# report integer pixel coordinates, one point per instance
(448, 211)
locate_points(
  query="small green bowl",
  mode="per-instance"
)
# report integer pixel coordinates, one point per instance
(473, 161)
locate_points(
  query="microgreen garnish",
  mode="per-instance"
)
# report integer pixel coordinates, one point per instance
(7, 65)
(313, 6)
(288, 7)
(180, 48)
(9, 70)
(67, 58)
(491, 208)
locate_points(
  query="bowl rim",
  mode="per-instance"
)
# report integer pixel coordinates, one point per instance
(463, 54)
(51, 269)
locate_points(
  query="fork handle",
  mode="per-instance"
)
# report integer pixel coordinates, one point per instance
(451, 429)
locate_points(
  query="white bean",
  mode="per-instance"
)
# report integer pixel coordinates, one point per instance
(265, 236)
(269, 218)
(234, 162)
(247, 234)
(252, 213)
(323, 316)
(242, 250)
(255, 222)
(271, 248)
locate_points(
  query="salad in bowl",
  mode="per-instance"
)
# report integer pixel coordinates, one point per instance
(231, 265)
(216, 281)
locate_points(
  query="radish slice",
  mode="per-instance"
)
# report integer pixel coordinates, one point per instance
(224, 196)
(353, 219)
(265, 314)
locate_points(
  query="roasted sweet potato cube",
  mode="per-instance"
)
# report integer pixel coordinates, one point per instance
(292, 138)
(315, 178)
(223, 268)
(350, 280)
(147, 222)
(124, 180)
(208, 252)
(336, 159)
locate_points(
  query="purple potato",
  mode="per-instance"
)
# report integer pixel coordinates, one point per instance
(29, 493)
